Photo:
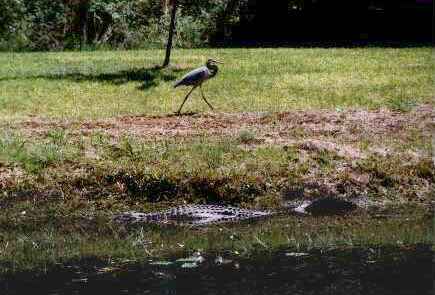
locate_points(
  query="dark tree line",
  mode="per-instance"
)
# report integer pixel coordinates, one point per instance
(69, 24)
(336, 21)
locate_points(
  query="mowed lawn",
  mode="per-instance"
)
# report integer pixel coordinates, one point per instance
(103, 84)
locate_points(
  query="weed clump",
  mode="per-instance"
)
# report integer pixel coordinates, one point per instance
(425, 169)
(34, 157)
(246, 137)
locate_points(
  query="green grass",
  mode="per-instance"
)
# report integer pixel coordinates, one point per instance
(95, 174)
(36, 156)
(104, 84)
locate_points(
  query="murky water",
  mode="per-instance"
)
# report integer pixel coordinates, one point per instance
(345, 271)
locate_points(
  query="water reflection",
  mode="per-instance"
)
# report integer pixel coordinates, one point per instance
(345, 271)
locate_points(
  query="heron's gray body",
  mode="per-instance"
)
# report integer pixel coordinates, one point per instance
(194, 77)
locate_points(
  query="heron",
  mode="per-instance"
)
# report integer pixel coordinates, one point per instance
(196, 77)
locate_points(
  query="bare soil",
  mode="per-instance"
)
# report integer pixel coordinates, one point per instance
(339, 131)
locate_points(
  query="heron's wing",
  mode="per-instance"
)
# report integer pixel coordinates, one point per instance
(193, 77)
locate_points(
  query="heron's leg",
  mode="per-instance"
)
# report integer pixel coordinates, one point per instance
(203, 97)
(187, 96)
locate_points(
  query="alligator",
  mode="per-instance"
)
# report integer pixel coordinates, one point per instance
(193, 215)
(202, 215)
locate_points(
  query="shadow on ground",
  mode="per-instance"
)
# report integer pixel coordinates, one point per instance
(150, 77)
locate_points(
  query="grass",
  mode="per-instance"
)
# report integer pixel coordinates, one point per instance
(200, 170)
(105, 84)
(34, 157)
(62, 181)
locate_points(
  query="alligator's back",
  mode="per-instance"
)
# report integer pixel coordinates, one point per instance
(194, 215)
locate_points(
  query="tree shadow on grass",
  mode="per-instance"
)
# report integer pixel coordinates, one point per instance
(150, 77)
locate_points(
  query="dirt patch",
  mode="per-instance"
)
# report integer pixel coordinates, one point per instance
(344, 151)
(321, 122)
(339, 131)
(349, 124)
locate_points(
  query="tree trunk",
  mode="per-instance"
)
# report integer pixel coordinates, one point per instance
(83, 14)
(171, 34)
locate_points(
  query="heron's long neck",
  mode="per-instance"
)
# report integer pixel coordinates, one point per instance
(213, 70)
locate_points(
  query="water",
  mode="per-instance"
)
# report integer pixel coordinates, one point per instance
(340, 271)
